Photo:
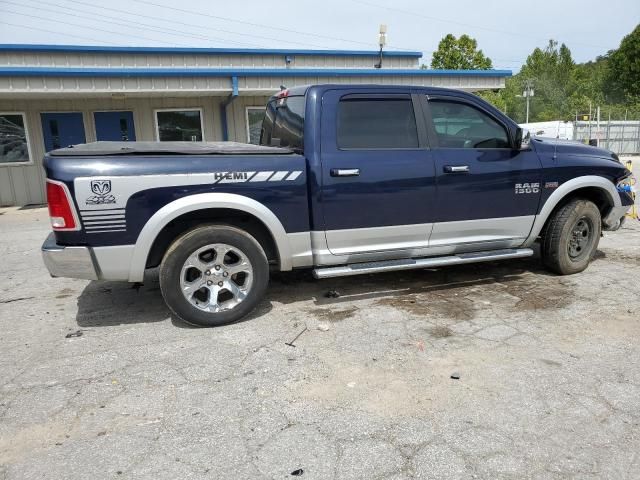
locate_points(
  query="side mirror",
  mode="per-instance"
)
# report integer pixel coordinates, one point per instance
(523, 139)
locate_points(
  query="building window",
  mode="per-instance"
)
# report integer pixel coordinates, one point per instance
(254, 124)
(14, 144)
(184, 125)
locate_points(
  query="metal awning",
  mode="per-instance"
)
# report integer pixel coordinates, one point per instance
(92, 82)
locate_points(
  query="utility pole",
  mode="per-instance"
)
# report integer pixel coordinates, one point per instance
(528, 93)
(589, 140)
(622, 133)
(598, 127)
(609, 131)
(382, 41)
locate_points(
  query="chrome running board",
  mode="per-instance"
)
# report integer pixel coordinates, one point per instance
(413, 263)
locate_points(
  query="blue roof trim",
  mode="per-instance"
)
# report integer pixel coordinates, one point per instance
(235, 72)
(196, 50)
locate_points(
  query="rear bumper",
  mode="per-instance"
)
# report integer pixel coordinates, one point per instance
(67, 261)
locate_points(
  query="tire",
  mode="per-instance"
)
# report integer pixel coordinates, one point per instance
(571, 237)
(213, 275)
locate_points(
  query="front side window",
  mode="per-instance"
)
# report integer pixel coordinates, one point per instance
(13, 138)
(376, 123)
(254, 124)
(179, 125)
(459, 125)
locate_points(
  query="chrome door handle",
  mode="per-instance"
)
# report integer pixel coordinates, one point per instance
(456, 169)
(345, 172)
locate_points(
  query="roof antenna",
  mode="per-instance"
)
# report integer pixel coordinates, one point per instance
(382, 41)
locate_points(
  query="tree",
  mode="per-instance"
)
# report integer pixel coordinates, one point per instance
(624, 67)
(553, 74)
(552, 71)
(564, 88)
(459, 54)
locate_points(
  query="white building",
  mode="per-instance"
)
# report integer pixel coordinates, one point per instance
(52, 96)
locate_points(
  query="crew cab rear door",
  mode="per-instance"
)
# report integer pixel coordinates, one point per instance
(488, 191)
(377, 185)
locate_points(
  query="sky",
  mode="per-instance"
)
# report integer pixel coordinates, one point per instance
(506, 30)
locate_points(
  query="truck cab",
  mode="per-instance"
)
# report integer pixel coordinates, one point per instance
(348, 179)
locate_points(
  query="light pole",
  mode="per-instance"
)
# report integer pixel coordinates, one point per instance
(528, 93)
(382, 41)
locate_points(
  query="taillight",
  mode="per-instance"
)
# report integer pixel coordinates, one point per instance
(61, 212)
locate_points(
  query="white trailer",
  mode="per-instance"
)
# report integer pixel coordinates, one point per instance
(553, 129)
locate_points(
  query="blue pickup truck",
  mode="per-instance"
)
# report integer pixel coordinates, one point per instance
(347, 180)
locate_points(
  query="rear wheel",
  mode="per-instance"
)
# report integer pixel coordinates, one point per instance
(571, 237)
(213, 275)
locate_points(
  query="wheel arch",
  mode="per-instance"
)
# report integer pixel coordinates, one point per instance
(599, 190)
(228, 208)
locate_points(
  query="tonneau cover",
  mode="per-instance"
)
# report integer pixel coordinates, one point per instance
(168, 148)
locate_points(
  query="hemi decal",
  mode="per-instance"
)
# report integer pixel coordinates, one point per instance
(262, 176)
(278, 176)
(116, 191)
(232, 177)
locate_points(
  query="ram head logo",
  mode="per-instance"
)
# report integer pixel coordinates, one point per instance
(101, 187)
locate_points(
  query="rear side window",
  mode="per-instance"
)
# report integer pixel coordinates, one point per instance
(376, 123)
(283, 124)
(459, 125)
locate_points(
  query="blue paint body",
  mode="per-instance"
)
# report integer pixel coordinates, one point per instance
(288, 200)
(395, 187)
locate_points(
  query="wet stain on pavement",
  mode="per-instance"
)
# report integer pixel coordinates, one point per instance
(456, 307)
(330, 315)
(440, 331)
(629, 259)
(540, 293)
(64, 293)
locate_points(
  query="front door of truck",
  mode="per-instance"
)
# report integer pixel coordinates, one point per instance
(377, 174)
(488, 192)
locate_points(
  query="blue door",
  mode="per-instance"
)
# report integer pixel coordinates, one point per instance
(115, 126)
(378, 182)
(62, 129)
(488, 192)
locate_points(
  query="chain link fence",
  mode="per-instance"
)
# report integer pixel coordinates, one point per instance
(620, 136)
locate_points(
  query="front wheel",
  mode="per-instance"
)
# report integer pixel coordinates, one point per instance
(213, 275)
(571, 237)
